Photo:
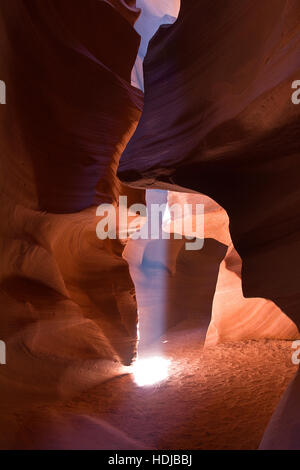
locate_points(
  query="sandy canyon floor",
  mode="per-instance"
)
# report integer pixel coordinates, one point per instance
(220, 397)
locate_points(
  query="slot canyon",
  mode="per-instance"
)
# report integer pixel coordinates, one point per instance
(139, 342)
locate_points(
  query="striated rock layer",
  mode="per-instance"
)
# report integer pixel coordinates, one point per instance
(68, 308)
(233, 317)
(218, 119)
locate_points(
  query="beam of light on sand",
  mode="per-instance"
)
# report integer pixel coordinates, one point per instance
(150, 370)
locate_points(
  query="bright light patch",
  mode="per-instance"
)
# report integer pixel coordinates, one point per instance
(150, 370)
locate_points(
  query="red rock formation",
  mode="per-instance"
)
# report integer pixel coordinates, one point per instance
(68, 306)
(233, 317)
(218, 119)
(236, 318)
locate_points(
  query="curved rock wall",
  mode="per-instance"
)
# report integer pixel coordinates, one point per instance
(69, 315)
(218, 119)
(232, 317)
